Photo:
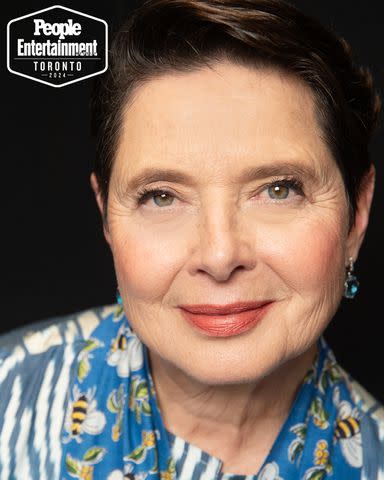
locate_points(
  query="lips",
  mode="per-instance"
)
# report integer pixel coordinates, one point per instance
(225, 320)
(210, 309)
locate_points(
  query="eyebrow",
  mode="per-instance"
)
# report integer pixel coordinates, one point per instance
(249, 174)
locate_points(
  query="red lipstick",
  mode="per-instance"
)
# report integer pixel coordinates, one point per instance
(225, 320)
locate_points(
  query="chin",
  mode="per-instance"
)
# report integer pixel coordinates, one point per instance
(218, 372)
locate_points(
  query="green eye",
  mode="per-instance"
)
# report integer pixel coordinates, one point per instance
(278, 192)
(165, 199)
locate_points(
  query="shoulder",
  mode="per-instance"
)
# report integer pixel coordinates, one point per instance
(40, 336)
(36, 351)
(36, 364)
(371, 413)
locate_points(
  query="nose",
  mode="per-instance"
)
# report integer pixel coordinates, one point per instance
(225, 245)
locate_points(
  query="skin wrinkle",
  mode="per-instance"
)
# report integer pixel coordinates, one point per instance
(217, 243)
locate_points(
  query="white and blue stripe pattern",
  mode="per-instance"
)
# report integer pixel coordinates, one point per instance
(35, 371)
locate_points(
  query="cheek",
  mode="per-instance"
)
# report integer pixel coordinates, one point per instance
(144, 263)
(309, 255)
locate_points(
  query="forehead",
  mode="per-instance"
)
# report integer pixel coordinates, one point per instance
(219, 118)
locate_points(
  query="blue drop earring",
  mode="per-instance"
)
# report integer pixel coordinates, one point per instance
(118, 297)
(351, 284)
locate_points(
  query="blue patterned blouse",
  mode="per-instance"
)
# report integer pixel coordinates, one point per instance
(77, 400)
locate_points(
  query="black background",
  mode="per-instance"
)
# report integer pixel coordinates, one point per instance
(54, 257)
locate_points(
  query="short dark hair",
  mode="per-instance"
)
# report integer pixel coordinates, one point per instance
(165, 36)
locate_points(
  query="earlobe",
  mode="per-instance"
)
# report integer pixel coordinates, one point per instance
(364, 203)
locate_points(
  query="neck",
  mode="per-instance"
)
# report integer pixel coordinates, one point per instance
(221, 418)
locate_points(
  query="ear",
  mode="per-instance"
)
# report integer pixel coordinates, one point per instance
(357, 234)
(96, 190)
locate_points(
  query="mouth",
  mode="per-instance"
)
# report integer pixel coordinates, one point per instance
(229, 309)
(225, 320)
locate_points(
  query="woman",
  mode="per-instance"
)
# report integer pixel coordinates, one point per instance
(235, 186)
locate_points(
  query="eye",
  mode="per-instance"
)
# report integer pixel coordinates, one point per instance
(164, 198)
(280, 189)
(278, 192)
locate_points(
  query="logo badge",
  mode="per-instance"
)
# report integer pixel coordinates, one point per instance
(57, 46)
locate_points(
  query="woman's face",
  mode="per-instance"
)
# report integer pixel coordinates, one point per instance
(220, 236)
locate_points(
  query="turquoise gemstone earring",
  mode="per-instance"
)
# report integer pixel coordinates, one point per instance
(351, 284)
(118, 297)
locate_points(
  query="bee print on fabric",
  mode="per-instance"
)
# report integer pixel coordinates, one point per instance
(270, 472)
(347, 431)
(115, 404)
(296, 447)
(83, 469)
(82, 415)
(323, 465)
(85, 355)
(319, 414)
(126, 352)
